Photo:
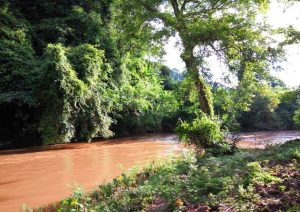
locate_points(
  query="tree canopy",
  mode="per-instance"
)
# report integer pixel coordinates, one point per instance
(228, 29)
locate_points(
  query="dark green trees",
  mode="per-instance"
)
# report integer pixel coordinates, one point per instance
(17, 64)
(91, 68)
(78, 70)
(18, 75)
(67, 73)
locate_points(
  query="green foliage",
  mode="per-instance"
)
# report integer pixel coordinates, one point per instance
(294, 154)
(75, 28)
(73, 70)
(205, 133)
(231, 32)
(60, 91)
(92, 119)
(142, 101)
(64, 94)
(17, 62)
(289, 103)
(257, 105)
(18, 77)
(257, 175)
(296, 117)
(227, 108)
(262, 112)
(73, 96)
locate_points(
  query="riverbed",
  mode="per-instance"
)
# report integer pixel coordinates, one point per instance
(44, 175)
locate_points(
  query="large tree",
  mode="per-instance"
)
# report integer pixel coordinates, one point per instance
(226, 28)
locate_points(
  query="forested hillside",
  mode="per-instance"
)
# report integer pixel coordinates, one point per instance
(74, 70)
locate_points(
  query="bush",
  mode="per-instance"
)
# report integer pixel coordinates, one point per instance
(256, 174)
(296, 117)
(204, 133)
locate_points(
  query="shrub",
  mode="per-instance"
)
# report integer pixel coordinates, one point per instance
(256, 174)
(204, 133)
(296, 117)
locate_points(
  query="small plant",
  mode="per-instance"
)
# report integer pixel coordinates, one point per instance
(281, 188)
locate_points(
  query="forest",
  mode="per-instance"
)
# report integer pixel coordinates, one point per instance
(86, 70)
(81, 70)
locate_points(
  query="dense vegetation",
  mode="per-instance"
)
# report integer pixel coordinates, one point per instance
(67, 75)
(78, 70)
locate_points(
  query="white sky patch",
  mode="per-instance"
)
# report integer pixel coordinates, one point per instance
(172, 57)
(277, 17)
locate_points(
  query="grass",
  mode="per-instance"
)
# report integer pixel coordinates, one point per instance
(250, 180)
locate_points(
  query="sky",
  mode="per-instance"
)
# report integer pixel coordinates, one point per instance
(278, 16)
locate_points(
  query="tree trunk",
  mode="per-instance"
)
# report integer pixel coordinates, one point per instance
(204, 93)
(205, 96)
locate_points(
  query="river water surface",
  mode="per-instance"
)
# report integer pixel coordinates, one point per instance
(40, 176)
(45, 175)
(262, 139)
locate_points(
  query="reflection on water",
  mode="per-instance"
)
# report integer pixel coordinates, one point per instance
(44, 175)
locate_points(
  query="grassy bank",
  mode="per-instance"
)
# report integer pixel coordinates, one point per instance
(250, 180)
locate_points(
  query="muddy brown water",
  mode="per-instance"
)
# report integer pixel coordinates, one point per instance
(45, 175)
(41, 176)
(262, 139)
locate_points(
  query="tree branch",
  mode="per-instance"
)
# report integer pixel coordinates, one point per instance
(175, 8)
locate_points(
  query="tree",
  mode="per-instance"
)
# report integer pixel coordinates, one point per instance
(92, 119)
(140, 96)
(289, 103)
(17, 62)
(262, 114)
(60, 90)
(18, 73)
(296, 117)
(74, 95)
(226, 28)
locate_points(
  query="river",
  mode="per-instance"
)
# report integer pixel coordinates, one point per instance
(40, 176)
(262, 139)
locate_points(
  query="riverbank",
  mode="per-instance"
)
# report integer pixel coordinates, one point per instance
(257, 180)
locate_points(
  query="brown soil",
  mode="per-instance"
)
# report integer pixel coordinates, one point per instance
(279, 196)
